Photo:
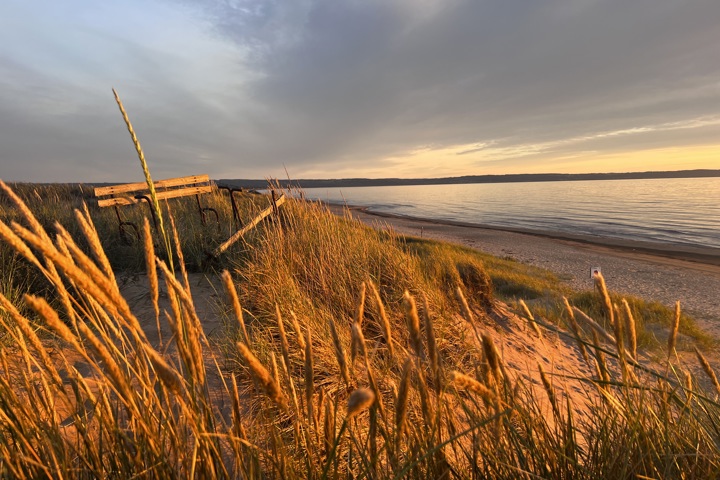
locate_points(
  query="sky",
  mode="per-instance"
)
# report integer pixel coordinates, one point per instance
(357, 88)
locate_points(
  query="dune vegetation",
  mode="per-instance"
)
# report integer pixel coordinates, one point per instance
(347, 351)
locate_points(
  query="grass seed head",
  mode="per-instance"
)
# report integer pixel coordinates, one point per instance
(237, 309)
(672, 338)
(402, 399)
(708, 370)
(284, 345)
(359, 400)
(168, 375)
(464, 307)
(413, 322)
(384, 322)
(339, 353)
(631, 329)
(466, 382)
(493, 357)
(298, 331)
(263, 377)
(604, 296)
(360, 312)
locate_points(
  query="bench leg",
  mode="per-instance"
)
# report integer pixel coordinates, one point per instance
(231, 192)
(125, 236)
(150, 207)
(121, 227)
(202, 211)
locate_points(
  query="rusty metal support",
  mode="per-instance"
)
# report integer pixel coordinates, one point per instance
(273, 196)
(202, 211)
(150, 207)
(121, 227)
(231, 192)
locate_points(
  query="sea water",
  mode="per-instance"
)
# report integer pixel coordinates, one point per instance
(664, 211)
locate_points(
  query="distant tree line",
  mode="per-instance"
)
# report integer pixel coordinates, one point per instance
(512, 178)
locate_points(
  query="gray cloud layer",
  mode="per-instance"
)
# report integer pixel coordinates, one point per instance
(327, 85)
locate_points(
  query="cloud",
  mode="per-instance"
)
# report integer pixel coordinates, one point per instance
(242, 88)
(359, 80)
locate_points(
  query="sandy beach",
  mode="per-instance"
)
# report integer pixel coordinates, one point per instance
(690, 275)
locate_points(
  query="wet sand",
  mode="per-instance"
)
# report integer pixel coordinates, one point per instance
(664, 273)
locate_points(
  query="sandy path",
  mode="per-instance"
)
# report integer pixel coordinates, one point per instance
(691, 277)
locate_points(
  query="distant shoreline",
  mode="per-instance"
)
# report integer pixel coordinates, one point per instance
(510, 178)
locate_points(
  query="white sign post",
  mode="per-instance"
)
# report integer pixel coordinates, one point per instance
(594, 271)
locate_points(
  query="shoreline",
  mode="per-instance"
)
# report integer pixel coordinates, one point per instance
(653, 271)
(688, 253)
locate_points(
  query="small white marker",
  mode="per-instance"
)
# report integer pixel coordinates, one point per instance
(595, 271)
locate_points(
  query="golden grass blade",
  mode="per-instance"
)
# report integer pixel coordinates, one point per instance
(360, 312)
(329, 425)
(263, 377)
(413, 321)
(708, 370)
(51, 318)
(91, 283)
(309, 376)
(575, 328)
(672, 338)
(359, 339)
(167, 374)
(298, 332)
(531, 319)
(91, 235)
(465, 382)
(603, 370)
(339, 353)
(595, 327)
(18, 245)
(550, 391)
(631, 329)
(605, 297)
(464, 307)
(152, 274)
(284, 345)
(493, 358)
(402, 402)
(237, 309)
(384, 322)
(146, 172)
(619, 343)
(23, 324)
(179, 253)
(431, 341)
(35, 226)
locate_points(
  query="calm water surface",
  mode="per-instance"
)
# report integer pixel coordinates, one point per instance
(675, 211)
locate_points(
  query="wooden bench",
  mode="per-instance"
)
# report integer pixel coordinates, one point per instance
(133, 193)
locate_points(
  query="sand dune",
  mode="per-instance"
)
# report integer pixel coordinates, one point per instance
(665, 274)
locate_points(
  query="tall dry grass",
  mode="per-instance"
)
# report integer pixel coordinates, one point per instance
(439, 403)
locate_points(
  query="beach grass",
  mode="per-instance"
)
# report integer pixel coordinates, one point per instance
(349, 352)
(513, 281)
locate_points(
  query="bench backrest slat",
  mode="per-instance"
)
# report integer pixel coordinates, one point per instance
(140, 186)
(178, 192)
(116, 189)
(125, 194)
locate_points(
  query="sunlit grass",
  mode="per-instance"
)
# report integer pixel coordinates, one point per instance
(434, 398)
